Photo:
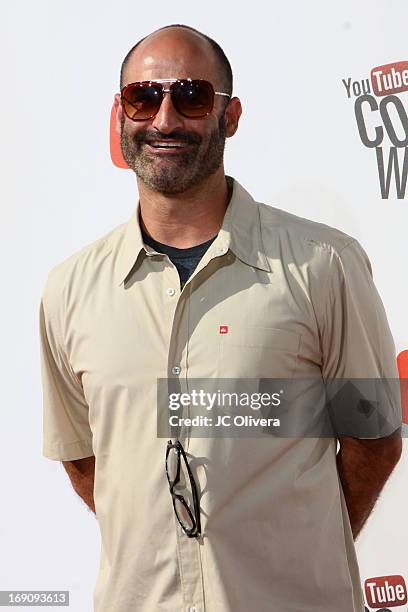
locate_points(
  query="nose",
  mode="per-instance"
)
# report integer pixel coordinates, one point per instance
(167, 118)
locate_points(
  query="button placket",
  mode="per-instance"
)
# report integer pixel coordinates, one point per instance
(188, 548)
(190, 559)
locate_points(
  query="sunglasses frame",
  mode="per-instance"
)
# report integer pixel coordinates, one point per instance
(169, 90)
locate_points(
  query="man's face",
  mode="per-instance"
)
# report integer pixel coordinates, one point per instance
(169, 56)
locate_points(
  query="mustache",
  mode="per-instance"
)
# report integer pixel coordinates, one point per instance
(146, 137)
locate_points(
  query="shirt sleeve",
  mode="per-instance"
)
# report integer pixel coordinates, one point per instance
(66, 431)
(359, 357)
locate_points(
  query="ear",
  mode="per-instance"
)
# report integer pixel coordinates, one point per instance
(232, 114)
(117, 105)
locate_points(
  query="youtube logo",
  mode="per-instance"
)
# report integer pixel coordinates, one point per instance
(385, 591)
(390, 78)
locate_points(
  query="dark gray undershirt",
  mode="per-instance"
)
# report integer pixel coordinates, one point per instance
(185, 260)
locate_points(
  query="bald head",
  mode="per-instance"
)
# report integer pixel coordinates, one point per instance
(177, 50)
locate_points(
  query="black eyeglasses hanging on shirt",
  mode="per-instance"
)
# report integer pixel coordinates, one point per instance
(180, 479)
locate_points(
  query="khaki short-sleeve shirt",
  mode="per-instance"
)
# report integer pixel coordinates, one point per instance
(298, 300)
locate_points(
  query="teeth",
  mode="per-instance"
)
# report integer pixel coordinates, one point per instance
(167, 144)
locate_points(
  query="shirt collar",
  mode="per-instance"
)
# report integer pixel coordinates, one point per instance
(240, 232)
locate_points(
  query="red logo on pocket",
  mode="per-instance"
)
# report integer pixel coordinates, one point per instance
(223, 329)
(384, 591)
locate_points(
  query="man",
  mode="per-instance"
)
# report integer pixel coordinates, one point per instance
(204, 282)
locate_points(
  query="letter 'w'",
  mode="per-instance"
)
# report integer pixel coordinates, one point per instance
(393, 164)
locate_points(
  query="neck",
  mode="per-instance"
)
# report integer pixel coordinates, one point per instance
(186, 219)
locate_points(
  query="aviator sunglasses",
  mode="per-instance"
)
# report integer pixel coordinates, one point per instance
(192, 98)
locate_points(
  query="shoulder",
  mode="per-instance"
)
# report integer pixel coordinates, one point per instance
(78, 270)
(301, 231)
(307, 241)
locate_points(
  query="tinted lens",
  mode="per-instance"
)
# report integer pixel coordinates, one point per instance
(171, 465)
(193, 99)
(141, 100)
(183, 514)
(183, 487)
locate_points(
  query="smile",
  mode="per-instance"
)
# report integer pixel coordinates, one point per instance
(167, 147)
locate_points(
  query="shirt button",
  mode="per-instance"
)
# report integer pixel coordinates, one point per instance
(176, 370)
(170, 291)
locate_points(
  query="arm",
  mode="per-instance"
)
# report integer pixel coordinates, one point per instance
(81, 472)
(364, 466)
(357, 346)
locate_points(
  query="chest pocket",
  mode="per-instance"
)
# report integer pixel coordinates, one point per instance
(258, 352)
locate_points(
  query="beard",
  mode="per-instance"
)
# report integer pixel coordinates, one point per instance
(178, 173)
